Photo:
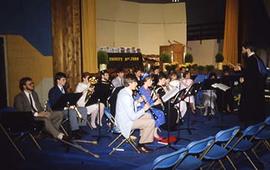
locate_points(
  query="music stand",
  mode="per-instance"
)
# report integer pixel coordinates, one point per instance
(182, 95)
(223, 88)
(65, 100)
(167, 98)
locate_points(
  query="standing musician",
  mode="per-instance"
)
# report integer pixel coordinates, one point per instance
(157, 114)
(87, 88)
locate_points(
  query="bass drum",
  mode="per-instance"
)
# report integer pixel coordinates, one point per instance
(170, 124)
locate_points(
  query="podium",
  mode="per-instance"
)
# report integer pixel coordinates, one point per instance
(177, 49)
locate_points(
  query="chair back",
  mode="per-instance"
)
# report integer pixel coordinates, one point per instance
(108, 114)
(227, 135)
(253, 129)
(197, 147)
(169, 160)
(267, 121)
(17, 121)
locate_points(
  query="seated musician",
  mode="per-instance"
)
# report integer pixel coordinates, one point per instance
(27, 100)
(54, 95)
(87, 89)
(174, 81)
(129, 118)
(102, 91)
(119, 80)
(209, 95)
(186, 83)
(157, 114)
(161, 89)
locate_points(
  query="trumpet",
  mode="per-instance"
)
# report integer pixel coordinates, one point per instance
(91, 89)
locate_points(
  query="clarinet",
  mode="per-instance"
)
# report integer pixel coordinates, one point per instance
(158, 96)
(150, 109)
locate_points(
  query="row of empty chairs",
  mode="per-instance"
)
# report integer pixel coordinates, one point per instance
(215, 149)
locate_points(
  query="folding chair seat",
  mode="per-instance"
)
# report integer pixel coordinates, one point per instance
(169, 161)
(194, 149)
(20, 125)
(245, 143)
(129, 140)
(218, 150)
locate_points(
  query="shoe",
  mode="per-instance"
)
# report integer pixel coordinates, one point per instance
(93, 125)
(76, 135)
(143, 149)
(82, 132)
(158, 138)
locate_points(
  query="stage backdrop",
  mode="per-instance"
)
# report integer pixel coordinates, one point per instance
(147, 26)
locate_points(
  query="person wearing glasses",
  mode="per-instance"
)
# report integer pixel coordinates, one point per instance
(27, 101)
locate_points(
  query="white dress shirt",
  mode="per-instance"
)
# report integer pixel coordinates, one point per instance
(125, 112)
(82, 88)
(33, 102)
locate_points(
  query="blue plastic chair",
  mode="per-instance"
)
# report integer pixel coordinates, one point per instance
(195, 148)
(218, 150)
(169, 161)
(244, 142)
(264, 135)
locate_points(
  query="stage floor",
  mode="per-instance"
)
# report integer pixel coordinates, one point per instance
(54, 157)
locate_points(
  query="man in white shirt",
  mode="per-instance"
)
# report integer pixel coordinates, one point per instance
(128, 118)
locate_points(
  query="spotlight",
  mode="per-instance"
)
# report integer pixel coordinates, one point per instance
(175, 1)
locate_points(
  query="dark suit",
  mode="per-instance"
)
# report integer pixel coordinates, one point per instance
(54, 95)
(52, 123)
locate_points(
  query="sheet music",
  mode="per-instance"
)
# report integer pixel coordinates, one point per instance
(170, 94)
(221, 86)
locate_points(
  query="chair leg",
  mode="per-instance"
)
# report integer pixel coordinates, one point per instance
(34, 140)
(267, 144)
(221, 163)
(133, 145)
(211, 164)
(64, 130)
(231, 162)
(115, 140)
(11, 141)
(253, 151)
(257, 145)
(249, 159)
(114, 149)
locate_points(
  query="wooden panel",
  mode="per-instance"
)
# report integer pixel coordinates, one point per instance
(66, 30)
(177, 49)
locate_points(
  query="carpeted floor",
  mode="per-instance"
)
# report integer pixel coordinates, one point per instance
(54, 157)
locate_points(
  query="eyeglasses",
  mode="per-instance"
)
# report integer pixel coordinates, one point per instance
(30, 84)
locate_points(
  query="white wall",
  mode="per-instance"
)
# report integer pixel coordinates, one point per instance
(147, 26)
(203, 52)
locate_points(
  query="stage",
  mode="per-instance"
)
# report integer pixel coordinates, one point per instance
(53, 155)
